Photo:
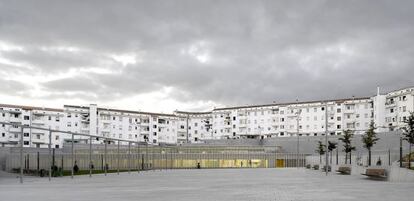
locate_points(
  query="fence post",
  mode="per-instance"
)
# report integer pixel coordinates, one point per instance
(118, 159)
(389, 157)
(50, 154)
(72, 157)
(138, 156)
(90, 156)
(129, 157)
(21, 154)
(105, 164)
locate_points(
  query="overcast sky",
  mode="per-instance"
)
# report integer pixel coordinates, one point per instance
(194, 55)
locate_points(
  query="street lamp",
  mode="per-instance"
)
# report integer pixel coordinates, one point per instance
(326, 137)
(298, 112)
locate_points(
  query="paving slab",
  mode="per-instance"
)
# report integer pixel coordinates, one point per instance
(207, 184)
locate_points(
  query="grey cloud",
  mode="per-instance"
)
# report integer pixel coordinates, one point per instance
(250, 44)
(13, 87)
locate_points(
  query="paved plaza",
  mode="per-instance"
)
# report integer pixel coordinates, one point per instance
(206, 184)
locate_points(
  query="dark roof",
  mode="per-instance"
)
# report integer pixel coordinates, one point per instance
(290, 103)
(192, 113)
(123, 111)
(24, 107)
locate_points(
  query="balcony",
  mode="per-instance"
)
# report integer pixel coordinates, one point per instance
(15, 111)
(14, 129)
(390, 103)
(13, 139)
(41, 140)
(38, 121)
(349, 111)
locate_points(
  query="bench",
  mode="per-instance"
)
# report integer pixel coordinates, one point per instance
(344, 170)
(376, 173)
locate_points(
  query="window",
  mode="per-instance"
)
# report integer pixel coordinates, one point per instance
(338, 118)
(57, 137)
(234, 119)
(338, 126)
(404, 108)
(26, 134)
(338, 110)
(26, 142)
(3, 134)
(26, 117)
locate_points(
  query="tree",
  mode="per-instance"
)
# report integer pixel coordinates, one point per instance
(331, 147)
(408, 132)
(346, 140)
(369, 139)
(320, 150)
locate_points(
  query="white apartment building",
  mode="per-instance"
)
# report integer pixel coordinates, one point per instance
(388, 111)
(194, 126)
(33, 116)
(154, 128)
(289, 119)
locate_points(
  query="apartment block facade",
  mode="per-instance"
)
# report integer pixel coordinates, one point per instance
(388, 111)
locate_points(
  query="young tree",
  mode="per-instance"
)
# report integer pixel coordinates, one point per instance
(346, 140)
(369, 139)
(320, 150)
(408, 132)
(331, 147)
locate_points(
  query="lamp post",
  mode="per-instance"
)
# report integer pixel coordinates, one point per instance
(298, 112)
(326, 137)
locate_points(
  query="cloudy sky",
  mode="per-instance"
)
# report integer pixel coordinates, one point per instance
(193, 55)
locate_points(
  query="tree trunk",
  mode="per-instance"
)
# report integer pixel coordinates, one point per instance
(346, 157)
(409, 156)
(350, 157)
(331, 158)
(320, 159)
(369, 157)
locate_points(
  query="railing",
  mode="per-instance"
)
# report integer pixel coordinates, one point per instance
(49, 156)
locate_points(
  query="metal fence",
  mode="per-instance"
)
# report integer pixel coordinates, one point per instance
(149, 159)
(360, 158)
(135, 156)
